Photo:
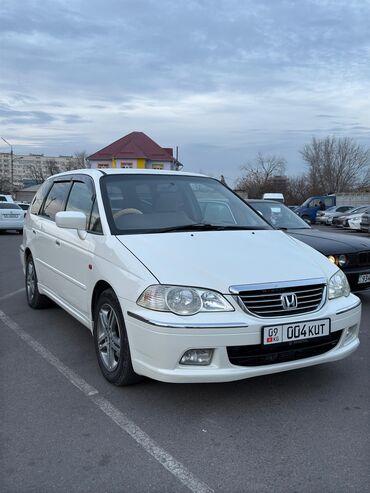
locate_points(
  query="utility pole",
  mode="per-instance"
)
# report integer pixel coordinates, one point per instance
(11, 165)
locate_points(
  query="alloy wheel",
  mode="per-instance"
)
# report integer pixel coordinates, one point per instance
(31, 281)
(109, 337)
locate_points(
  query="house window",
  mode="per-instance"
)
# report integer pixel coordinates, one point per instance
(157, 166)
(126, 165)
(103, 165)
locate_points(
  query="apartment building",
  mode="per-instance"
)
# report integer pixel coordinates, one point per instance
(32, 168)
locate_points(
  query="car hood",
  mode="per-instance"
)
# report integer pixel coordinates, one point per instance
(330, 243)
(220, 259)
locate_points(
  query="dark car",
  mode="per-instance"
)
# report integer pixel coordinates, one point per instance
(350, 253)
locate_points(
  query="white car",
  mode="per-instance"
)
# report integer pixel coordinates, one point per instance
(11, 217)
(6, 198)
(180, 280)
(354, 220)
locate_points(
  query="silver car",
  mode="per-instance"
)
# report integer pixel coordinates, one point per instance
(325, 217)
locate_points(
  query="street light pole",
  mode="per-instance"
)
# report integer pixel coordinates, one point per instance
(11, 165)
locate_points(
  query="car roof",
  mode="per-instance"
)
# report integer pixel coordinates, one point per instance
(124, 171)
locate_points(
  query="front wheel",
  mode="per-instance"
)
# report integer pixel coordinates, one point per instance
(34, 298)
(111, 342)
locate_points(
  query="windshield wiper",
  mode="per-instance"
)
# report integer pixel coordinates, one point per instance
(206, 227)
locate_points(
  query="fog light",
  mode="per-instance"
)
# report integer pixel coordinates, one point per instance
(200, 357)
(349, 334)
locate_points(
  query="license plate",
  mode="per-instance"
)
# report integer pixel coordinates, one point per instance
(10, 216)
(296, 331)
(362, 278)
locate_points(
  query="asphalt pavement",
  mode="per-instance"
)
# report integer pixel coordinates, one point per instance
(64, 428)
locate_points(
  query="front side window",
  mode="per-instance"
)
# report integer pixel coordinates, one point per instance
(56, 199)
(82, 199)
(160, 203)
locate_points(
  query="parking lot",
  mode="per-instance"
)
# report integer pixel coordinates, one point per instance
(65, 429)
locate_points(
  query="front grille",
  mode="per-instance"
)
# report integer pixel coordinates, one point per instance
(361, 259)
(268, 302)
(258, 355)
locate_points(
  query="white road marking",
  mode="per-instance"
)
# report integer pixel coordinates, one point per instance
(9, 295)
(175, 467)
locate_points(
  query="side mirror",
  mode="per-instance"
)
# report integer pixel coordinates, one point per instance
(71, 220)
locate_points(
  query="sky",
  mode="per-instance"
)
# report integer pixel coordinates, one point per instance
(221, 79)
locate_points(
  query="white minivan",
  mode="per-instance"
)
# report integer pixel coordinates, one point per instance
(180, 280)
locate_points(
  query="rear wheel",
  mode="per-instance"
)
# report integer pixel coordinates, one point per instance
(111, 342)
(34, 298)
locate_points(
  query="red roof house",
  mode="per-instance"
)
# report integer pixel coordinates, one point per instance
(135, 150)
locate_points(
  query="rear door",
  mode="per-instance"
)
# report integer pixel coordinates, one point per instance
(50, 263)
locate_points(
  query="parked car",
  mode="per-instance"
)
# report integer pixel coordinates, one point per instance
(311, 206)
(6, 198)
(323, 216)
(350, 253)
(278, 197)
(24, 206)
(342, 221)
(354, 220)
(180, 280)
(365, 222)
(11, 217)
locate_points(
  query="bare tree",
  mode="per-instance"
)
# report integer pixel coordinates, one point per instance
(5, 184)
(51, 167)
(298, 189)
(336, 164)
(36, 173)
(78, 161)
(259, 174)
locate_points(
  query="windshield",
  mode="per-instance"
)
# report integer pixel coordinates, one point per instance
(279, 215)
(155, 203)
(8, 205)
(357, 210)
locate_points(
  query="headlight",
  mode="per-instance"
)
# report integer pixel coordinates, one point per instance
(338, 286)
(339, 260)
(183, 300)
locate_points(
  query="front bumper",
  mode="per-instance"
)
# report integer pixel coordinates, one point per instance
(157, 343)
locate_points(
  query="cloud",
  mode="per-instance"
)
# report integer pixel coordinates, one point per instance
(233, 75)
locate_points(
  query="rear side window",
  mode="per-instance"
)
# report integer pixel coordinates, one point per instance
(56, 199)
(39, 197)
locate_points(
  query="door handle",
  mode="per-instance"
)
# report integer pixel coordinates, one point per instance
(57, 242)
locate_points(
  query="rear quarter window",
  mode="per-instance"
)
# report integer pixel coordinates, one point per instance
(39, 197)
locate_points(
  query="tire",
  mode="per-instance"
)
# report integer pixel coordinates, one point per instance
(34, 298)
(306, 218)
(111, 342)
